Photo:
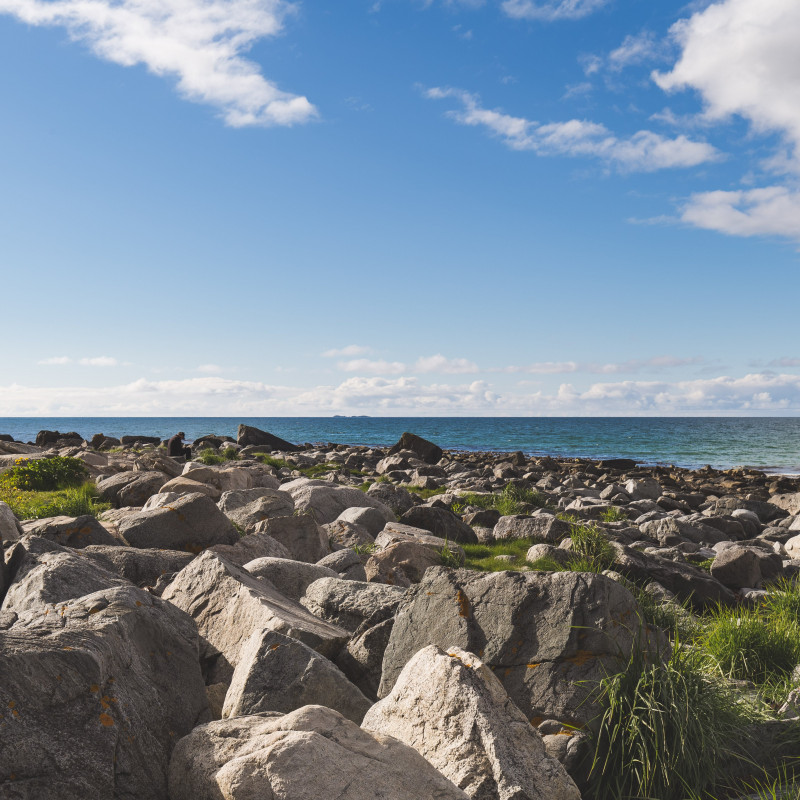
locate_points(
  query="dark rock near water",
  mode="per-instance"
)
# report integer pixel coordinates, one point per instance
(424, 450)
(248, 435)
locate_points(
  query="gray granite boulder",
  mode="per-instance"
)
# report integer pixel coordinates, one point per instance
(299, 534)
(75, 532)
(325, 501)
(440, 522)
(291, 578)
(141, 566)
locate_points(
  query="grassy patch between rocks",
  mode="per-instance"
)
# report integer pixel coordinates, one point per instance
(483, 557)
(73, 501)
(512, 500)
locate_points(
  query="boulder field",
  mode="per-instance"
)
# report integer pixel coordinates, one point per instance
(301, 622)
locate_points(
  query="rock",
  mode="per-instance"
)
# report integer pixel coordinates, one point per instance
(184, 485)
(546, 527)
(313, 753)
(95, 695)
(745, 567)
(344, 562)
(347, 534)
(325, 501)
(790, 503)
(248, 435)
(109, 488)
(403, 563)
(369, 518)
(137, 491)
(395, 497)
(348, 603)
(140, 566)
(75, 532)
(191, 523)
(229, 605)
(362, 658)
(10, 529)
(423, 449)
(250, 547)
(793, 547)
(43, 573)
(482, 518)
(300, 535)
(397, 532)
(291, 578)
(276, 673)
(548, 636)
(644, 489)
(450, 707)
(439, 522)
(262, 504)
(50, 438)
(140, 440)
(557, 554)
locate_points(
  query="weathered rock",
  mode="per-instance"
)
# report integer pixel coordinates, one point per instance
(325, 501)
(558, 554)
(741, 567)
(546, 527)
(395, 497)
(95, 695)
(346, 563)
(348, 603)
(644, 489)
(249, 435)
(548, 636)
(109, 488)
(144, 486)
(362, 658)
(300, 535)
(440, 522)
(140, 566)
(10, 529)
(347, 534)
(276, 673)
(450, 707)
(263, 504)
(424, 450)
(75, 532)
(250, 547)
(184, 485)
(291, 578)
(790, 503)
(368, 517)
(229, 605)
(404, 563)
(313, 752)
(44, 573)
(192, 522)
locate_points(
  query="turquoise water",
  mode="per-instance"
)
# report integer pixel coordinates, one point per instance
(772, 443)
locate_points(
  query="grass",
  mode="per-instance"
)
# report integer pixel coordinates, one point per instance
(614, 514)
(590, 548)
(313, 471)
(665, 727)
(512, 500)
(483, 557)
(72, 501)
(45, 474)
(426, 494)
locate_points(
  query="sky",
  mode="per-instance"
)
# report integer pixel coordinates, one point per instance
(399, 207)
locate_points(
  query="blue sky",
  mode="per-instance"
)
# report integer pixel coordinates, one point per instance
(485, 207)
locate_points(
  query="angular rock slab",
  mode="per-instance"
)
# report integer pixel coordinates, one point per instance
(325, 501)
(277, 673)
(229, 605)
(548, 636)
(95, 695)
(449, 706)
(313, 753)
(191, 523)
(291, 578)
(73, 532)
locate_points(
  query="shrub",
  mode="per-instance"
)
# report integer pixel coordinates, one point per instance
(664, 729)
(45, 474)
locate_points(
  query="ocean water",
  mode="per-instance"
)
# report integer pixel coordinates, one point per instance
(768, 443)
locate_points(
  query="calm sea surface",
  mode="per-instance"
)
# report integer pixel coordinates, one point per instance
(772, 444)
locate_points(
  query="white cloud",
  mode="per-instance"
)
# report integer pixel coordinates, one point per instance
(199, 43)
(379, 367)
(98, 361)
(349, 351)
(549, 10)
(741, 56)
(645, 151)
(209, 369)
(214, 396)
(447, 366)
(55, 360)
(774, 210)
(634, 49)
(654, 364)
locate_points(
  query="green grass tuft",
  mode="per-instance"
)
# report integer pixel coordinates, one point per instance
(512, 500)
(72, 501)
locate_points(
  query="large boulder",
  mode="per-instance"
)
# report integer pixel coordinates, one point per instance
(451, 708)
(300, 535)
(403, 563)
(139, 490)
(348, 603)
(43, 573)
(193, 522)
(110, 487)
(325, 501)
(229, 605)
(440, 522)
(249, 435)
(548, 636)
(184, 485)
(249, 507)
(94, 696)
(250, 547)
(10, 529)
(362, 658)
(546, 527)
(310, 754)
(141, 566)
(75, 532)
(291, 578)
(395, 497)
(277, 673)
(423, 449)
(745, 567)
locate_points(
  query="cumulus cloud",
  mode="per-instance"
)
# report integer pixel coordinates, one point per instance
(347, 352)
(446, 366)
(550, 10)
(209, 369)
(214, 396)
(55, 361)
(635, 49)
(199, 43)
(644, 151)
(378, 367)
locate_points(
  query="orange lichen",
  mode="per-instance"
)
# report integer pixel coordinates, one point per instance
(106, 720)
(463, 604)
(94, 688)
(533, 666)
(580, 658)
(537, 721)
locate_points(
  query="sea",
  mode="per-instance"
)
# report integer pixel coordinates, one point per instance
(771, 444)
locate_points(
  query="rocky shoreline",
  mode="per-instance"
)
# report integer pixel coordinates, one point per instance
(282, 621)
